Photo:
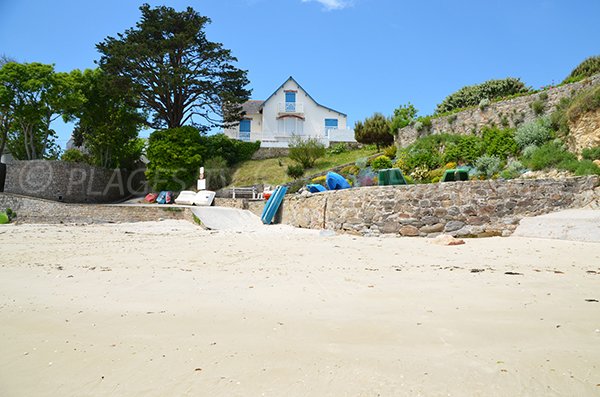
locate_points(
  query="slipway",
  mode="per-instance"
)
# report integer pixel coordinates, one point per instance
(222, 218)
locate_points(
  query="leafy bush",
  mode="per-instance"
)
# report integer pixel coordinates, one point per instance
(362, 162)
(473, 95)
(586, 101)
(497, 142)
(584, 167)
(217, 173)
(538, 107)
(390, 151)
(487, 165)
(549, 155)
(591, 153)
(587, 68)
(338, 148)
(306, 151)
(484, 103)
(513, 170)
(381, 162)
(175, 156)
(419, 126)
(350, 170)
(536, 133)
(420, 174)
(463, 149)
(374, 130)
(320, 180)
(75, 156)
(232, 150)
(403, 116)
(295, 171)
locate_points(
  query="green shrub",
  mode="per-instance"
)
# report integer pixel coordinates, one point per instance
(374, 130)
(586, 167)
(420, 174)
(175, 156)
(306, 151)
(295, 171)
(487, 165)
(473, 95)
(591, 153)
(497, 142)
(350, 170)
(217, 173)
(362, 162)
(463, 149)
(484, 104)
(75, 156)
(538, 107)
(381, 162)
(338, 148)
(587, 68)
(320, 180)
(586, 101)
(232, 150)
(4, 218)
(390, 151)
(536, 133)
(549, 155)
(512, 170)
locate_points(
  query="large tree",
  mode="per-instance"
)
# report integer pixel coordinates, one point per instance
(33, 96)
(108, 122)
(179, 75)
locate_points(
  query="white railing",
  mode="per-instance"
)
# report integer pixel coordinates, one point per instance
(340, 135)
(291, 107)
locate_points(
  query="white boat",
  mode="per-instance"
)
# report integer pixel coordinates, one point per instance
(202, 198)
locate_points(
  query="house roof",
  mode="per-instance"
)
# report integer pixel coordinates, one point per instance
(252, 107)
(294, 80)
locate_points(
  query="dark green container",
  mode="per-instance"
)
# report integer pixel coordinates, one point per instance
(455, 175)
(2, 176)
(391, 176)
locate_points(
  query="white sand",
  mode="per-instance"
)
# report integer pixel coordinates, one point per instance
(125, 310)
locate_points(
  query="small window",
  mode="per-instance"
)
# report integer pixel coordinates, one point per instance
(331, 124)
(245, 126)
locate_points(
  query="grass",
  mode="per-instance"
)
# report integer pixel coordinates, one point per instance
(273, 171)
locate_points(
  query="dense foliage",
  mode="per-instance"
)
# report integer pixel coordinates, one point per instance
(233, 151)
(217, 173)
(381, 162)
(295, 171)
(534, 133)
(474, 94)
(175, 158)
(107, 121)
(374, 130)
(587, 68)
(403, 116)
(179, 76)
(306, 151)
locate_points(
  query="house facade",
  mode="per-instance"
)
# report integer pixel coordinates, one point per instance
(290, 111)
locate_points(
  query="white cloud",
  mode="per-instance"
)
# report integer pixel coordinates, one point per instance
(331, 4)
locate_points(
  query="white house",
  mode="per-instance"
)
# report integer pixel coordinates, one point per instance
(289, 111)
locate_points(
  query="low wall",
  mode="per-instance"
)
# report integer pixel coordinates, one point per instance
(32, 210)
(70, 182)
(270, 153)
(509, 113)
(471, 208)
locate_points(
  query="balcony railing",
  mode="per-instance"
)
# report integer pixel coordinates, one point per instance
(291, 107)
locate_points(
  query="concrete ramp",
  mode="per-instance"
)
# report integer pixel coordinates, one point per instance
(222, 218)
(573, 225)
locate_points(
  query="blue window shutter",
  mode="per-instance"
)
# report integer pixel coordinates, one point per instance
(331, 123)
(245, 126)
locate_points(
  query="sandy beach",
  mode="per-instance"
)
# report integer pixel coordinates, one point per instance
(168, 309)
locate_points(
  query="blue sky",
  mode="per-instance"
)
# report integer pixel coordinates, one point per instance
(356, 56)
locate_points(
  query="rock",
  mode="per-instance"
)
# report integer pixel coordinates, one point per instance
(453, 226)
(409, 231)
(438, 227)
(446, 239)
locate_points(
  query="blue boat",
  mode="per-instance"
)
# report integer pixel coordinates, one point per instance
(316, 188)
(336, 181)
(273, 205)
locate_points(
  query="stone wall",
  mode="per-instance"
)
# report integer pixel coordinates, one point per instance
(509, 113)
(471, 208)
(584, 132)
(70, 182)
(33, 210)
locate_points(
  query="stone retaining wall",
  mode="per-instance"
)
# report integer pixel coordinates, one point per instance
(70, 182)
(510, 113)
(270, 153)
(471, 208)
(32, 210)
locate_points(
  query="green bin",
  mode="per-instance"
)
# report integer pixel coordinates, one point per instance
(454, 175)
(391, 176)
